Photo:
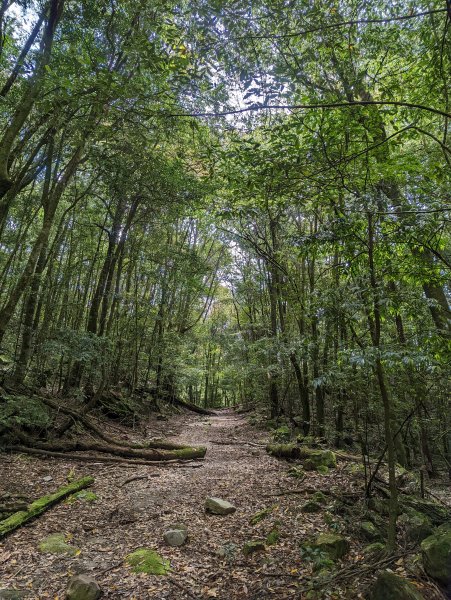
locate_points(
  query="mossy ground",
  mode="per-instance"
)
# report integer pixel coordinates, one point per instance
(56, 544)
(146, 560)
(260, 515)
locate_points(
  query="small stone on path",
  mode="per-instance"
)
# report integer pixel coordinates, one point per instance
(83, 587)
(251, 547)
(217, 506)
(175, 536)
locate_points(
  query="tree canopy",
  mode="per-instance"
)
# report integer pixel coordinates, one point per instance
(232, 203)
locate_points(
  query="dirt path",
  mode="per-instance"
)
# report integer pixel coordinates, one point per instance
(131, 515)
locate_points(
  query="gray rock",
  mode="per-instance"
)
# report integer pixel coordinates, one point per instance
(47, 478)
(217, 506)
(83, 587)
(175, 537)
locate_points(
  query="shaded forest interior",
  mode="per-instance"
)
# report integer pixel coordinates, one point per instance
(210, 205)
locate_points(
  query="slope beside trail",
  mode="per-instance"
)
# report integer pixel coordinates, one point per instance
(135, 505)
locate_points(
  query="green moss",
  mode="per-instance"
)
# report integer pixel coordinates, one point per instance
(334, 545)
(189, 452)
(436, 555)
(297, 472)
(319, 497)
(370, 532)
(84, 496)
(41, 505)
(312, 459)
(273, 537)
(146, 560)
(251, 547)
(259, 516)
(282, 434)
(390, 586)
(376, 549)
(322, 469)
(56, 544)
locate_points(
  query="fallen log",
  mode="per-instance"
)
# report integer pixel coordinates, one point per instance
(88, 424)
(147, 454)
(284, 450)
(315, 457)
(99, 458)
(42, 504)
(192, 407)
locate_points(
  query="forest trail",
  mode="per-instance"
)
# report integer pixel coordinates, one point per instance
(131, 513)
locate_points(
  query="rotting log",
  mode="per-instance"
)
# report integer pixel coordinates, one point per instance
(147, 454)
(284, 450)
(102, 458)
(42, 504)
(192, 407)
(315, 456)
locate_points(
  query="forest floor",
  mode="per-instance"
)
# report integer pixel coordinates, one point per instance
(133, 514)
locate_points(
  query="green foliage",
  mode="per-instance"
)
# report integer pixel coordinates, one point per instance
(315, 556)
(282, 434)
(23, 410)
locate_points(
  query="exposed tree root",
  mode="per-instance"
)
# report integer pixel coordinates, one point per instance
(39, 506)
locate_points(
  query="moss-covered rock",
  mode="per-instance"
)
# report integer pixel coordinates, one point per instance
(417, 526)
(259, 516)
(437, 513)
(389, 586)
(254, 546)
(146, 560)
(317, 458)
(444, 528)
(369, 531)
(379, 505)
(322, 469)
(436, 556)
(56, 544)
(83, 587)
(332, 544)
(375, 549)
